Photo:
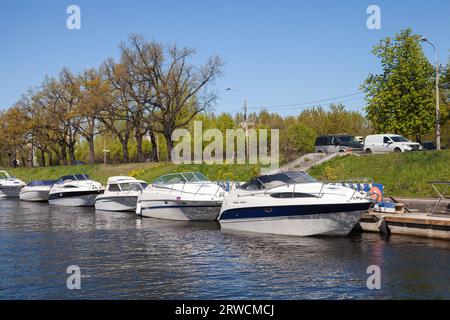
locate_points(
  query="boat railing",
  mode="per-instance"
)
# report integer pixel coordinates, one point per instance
(356, 183)
(359, 185)
(172, 189)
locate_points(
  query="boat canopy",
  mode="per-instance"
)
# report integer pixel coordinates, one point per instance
(181, 178)
(278, 179)
(41, 183)
(73, 177)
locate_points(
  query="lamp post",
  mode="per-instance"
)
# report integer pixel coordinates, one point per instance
(245, 118)
(438, 126)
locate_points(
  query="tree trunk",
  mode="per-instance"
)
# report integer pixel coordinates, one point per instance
(125, 155)
(72, 152)
(50, 158)
(140, 153)
(169, 144)
(43, 164)
(91, 150)
(154, 155)
(63, 156)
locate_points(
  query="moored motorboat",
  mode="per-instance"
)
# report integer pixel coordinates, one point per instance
(37, 190)
(77, 190)
(181, 196)
(121, 194)
(9, 186)
(295, 204)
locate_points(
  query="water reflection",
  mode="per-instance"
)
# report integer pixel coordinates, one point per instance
(124, 256)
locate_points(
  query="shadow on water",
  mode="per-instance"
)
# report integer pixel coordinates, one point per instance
(124, 256)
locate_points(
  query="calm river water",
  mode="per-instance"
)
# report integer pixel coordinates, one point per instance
(125, 257)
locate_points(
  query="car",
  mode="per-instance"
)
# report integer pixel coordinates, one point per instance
(337, 143)
(384, 143)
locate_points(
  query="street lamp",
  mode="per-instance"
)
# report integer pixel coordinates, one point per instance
(245, 117)
(438, 126)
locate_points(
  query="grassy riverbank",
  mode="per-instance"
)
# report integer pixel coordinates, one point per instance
(402, 174)
(144, 171)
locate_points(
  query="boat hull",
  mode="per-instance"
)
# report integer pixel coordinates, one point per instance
(310, 220)
(10, 191)
(180, 211)
(117, 203)
(34, 195)
(74, 199)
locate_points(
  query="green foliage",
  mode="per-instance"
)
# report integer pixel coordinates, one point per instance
(400, 99)
(402, 174)
(144, 171)
(297, 139)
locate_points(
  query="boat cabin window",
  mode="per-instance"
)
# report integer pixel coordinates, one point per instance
(114, 188)
(131, 186)
(285, 195)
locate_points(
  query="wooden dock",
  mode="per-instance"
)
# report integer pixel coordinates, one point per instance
(436, 226)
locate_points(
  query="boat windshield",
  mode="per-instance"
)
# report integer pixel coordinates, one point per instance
(274, 180)
(131, 186)
(4, 175)
(73, 177)
(41, 183)
(181, 178)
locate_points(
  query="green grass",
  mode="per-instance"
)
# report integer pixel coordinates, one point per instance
(402, 174)
(144, 171)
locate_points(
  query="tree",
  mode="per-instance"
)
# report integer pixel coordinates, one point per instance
(400, 99)
(179, 88)
(297, 139)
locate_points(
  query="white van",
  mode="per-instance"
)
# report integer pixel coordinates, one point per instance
(382, 143)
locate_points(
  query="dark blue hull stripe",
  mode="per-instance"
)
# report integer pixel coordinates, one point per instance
(63, 194)
(186, 206)
(286, 211)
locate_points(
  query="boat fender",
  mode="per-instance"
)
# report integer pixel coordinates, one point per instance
(376, 194)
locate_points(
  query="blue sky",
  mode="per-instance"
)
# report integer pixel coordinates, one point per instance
(277, 52)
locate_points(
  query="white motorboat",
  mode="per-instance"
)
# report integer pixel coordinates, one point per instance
(77, 190)
(37, 190)
(121, 194)
(9, 186)
(181, 196)
(294, 204)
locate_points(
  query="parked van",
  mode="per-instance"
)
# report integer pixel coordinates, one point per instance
(382, 143)
(337, 143)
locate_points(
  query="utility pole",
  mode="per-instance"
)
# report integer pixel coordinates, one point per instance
(245, 122)
(438, 125)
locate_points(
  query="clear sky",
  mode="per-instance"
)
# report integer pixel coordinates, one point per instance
(276, 52)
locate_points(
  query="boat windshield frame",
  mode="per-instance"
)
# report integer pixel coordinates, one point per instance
(276, 180)
(41, 183)
(73, 177)
(180, 177)
(4, 175)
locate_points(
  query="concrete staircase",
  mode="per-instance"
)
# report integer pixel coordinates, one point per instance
(307, 161)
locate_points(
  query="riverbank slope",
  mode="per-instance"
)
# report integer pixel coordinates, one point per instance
(402, 174)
